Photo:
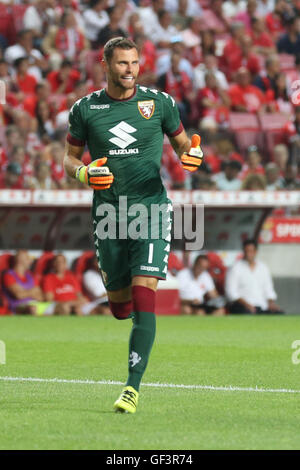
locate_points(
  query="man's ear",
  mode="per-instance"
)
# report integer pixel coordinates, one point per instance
(104, 65)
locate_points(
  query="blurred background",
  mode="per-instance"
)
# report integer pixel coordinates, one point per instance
(233, 68)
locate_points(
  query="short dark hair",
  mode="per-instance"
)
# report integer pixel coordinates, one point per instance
(119, 42)
(250, 241)
(200, 257)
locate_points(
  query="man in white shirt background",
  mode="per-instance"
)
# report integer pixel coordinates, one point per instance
(249, 286)
(195, 286)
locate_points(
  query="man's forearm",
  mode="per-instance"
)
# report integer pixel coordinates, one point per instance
(71, 164)
(180, 149)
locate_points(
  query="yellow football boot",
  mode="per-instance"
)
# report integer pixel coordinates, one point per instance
(127, 401)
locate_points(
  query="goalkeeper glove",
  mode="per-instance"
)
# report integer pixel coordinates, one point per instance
(95, 174)
(193, 159)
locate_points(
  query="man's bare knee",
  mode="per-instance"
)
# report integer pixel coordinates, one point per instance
(145, 281)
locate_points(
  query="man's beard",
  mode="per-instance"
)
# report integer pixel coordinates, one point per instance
(117, 83)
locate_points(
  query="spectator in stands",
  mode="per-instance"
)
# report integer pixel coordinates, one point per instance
(281, 156)
(278, 99)
(165, 31)
(148, 71)
(54, 157)
(24, 80)
(149, 16)
(42, 178)
(66, 41)
(253, 164)
(262, 42)
(24, 48)
(180, 19)
(97, 80)
(191, 35)
(95, 18)
(12, 177)
(93, 285)
(45, 123)
(245, 98)
(41, 93)
(62, 288)
(209, 64)
(266, 80)
(290, 180)
(292, 130)
(62, 81)
(289, 42)
(112, 29)
(179, 86)
(19, 286)
(232, 7)
(163, 62)
(195, 285)
(254, 182)
(228, 180)
(37, 18)
(274, 19)
(202, 179)
(264, 7)
(249, 287)
(272, 176)
(249, 58)
(232, 54)
(212, 100)
(247, 15)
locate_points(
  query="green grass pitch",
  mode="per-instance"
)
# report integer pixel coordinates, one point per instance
(245, 352)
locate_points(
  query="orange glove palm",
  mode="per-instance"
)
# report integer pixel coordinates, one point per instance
(193, 159)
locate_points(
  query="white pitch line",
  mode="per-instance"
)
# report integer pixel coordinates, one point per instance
(229, 388)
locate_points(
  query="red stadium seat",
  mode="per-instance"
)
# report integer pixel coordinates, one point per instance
(6, 261)
(217, 270)
(80, 265)
(246, 129)
(272, 126)
(43, 265)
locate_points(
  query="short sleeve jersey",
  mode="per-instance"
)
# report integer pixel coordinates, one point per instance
(130, 134)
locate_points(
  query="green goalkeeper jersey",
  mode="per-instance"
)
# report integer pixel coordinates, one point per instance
(130, 134)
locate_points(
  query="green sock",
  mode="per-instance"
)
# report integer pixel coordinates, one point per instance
(140, 345)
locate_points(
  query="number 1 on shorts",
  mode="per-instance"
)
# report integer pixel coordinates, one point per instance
(150, 255)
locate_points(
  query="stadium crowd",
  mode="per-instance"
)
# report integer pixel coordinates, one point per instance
(221, 60)
(48, 286)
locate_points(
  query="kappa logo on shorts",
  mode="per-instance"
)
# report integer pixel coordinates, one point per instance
(146, 108)
(149, 268)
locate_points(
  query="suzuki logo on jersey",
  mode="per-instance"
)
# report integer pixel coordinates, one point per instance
(123, 138)
(146, 108)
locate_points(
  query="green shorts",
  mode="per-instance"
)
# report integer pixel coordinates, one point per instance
(121, 259)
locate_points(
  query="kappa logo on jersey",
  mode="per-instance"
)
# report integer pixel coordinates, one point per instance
(146, 108)
(99, 106)
(122, 132)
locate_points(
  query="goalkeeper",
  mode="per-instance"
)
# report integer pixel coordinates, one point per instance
(123, 126)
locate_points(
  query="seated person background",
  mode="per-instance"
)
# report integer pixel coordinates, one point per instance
(93, 284)
(194, 285)
(248, 286)
(19, 286)
(62, 288)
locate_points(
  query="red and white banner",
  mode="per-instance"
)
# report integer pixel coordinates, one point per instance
(281, 230)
